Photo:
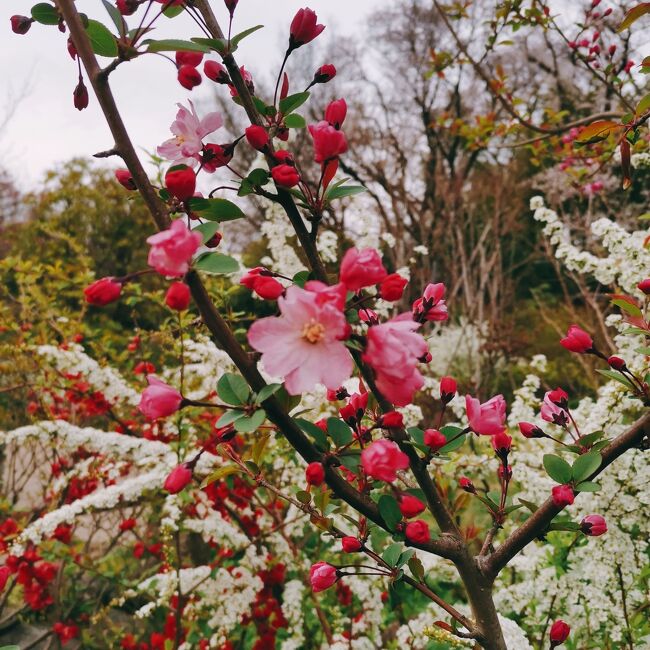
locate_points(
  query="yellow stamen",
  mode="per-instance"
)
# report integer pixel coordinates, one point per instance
(313, 332)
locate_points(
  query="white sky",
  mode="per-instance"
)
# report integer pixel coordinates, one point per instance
(47, 128)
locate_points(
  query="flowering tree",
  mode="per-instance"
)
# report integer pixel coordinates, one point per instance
(311, 411)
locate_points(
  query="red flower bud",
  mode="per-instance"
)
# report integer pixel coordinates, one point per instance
(644, 286)
(559, 633)
(214, 241)
(181, 182)
(418, 531)
(257, 137)
(262, 283)
(80, 96)
(410, 506)
(189, 77)
(577, 340)
(434, 439)
(593, 525)
(616, 363)
(315, 474)
(20, 24)
(324, 74)
(448, 388)
(350, 544)
(178, 296)
(231, 5)
(216, 72)
(102, 292)
(391, 420)
(284, 89)
(335, 113)
(529, 430)
(178, 478)
(392, 286)
(188, 57)
(467, 485)
(562, 495)
(125, 179)
(285, 175)
(304, 28)
(127, 7)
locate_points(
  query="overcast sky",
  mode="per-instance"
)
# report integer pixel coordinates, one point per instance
(46, 128)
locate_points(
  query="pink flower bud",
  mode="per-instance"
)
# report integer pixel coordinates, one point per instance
(189, 77)
(335, 113)
(392, 287)
(260, 281)
(559, 633)
(285, 175)
(382, 459)
(350, 544)
(178, 296)
(80, 96)
(216, 72)
(329, 142)
(616, 363)
(391, 420)
(434, 439)
(466, 484)
(181, 182)
(529, 430)
(304, 28)
(159, 399)
(577, 340)
(178, 478)
(644, 286)
(324, 74)
(257, 137)
(562, 495)
(418, 531)
(322, 576)
(125, 179)
(315, 474)
(410, 506)
(188, 57)
(20, 24)
(103, 291)
(448, 388)
(593, 525)
(361, 269)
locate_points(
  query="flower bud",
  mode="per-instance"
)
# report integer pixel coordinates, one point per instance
(501, 443)
(324, 74)
(448, 388)
(285, 175)
(181, 182)
(335, 113)
(125, 179)
(418, 531)
(231, 5)
(466, 484)
(178, 296)
(559, 633)
(434, 439)
(189, 77)
(159, 399)
(216, 72)
(391, 420)
(644, 286)
(188, 57)
(257, 137)
(322, 576)
(593, 525)
(214, 241)
(102, 292)
(529, 430)
(616, 363)
(577, 340)
(127, 7)
(392, 286)
(178, 478)
(315, 474)
(20, 24)
(304, 28)
(410, 506)
(80, 96)
(562, 495)
(350, 544)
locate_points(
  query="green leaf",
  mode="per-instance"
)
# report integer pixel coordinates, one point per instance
(586, 465)
(343, 190)
(416, 434)
(248, 424)
(233, 389)
(591, 438)
(301, 278)
(207, 230)
(229, 417)
(389, 511)
(315, 432)
(643, 106)
(616, 376)
(290, 103)
(266, 392)
(258, 176)
(339, 431)
(220, 473)
(174, 45)
(116, 17)
(215, 209)
(303, 497)
(416, 567)
(391, 554)
(235, 40)
(626, 306)
(405, 557)
(295, 121)
(101, 39)
(588, 486)
(557, 468)
(173, 11)
(450, 432)
(45, 13)
(351, 460)
(217, 44)
(533, 507)
(216, 263)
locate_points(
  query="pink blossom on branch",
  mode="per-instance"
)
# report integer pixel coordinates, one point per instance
(304, 28)
(172, 249)
(178, 478)
(486, 419)
(189, 130)
(322, 576)
(382, 459)
(393, 350)
(577, 340)
(431, 305)
(159, 399)
(329, 143)
(303, 345)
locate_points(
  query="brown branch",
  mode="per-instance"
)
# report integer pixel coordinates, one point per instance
(537, 524)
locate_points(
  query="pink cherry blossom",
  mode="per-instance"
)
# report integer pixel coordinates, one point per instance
(551, 412)
(172, 249)
(486, 419)
(382, 459)
(189, 131)
(304, 345)
(431, 306)
(393, 351)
